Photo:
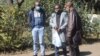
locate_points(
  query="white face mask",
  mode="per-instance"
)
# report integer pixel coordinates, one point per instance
(37, 7)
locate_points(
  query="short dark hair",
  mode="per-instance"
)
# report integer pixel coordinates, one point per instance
(58, 5)
(70, 3)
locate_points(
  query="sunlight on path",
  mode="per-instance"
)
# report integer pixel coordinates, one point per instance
(86, 50)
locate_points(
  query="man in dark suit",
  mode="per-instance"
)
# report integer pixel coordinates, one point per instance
(73, 30)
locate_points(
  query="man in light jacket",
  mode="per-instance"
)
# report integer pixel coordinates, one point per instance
(58, 22)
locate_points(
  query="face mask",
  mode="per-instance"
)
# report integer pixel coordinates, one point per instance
(37, 7)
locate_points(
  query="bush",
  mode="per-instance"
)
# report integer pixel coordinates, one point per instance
(15, 33)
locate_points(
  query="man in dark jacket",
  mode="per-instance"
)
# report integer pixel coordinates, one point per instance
(73, 30)
(37, 22)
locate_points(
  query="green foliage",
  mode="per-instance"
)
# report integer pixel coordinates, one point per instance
(14, 30)
(90, 30)
(13, 24)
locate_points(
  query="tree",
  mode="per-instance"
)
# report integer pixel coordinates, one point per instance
(9, 2)
(14, 32)
(18, 2)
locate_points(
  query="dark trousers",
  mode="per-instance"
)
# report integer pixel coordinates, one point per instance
(57, 50)
(74, 50)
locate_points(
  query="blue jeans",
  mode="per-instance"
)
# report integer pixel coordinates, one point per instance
(38, 39)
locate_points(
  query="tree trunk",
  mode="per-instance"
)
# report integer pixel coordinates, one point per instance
(19, 3)
(9, 2)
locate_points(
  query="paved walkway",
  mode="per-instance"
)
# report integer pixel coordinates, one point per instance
(86, 50)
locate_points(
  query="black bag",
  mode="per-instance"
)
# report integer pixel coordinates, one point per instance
(77, 38)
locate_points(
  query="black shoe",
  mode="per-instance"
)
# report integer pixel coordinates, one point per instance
(42, 55)
(34, 55)
(65, 55)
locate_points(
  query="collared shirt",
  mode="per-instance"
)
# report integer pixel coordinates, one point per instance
(36, 13)
(38, 19)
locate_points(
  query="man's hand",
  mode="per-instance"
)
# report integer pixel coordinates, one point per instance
(56, 28)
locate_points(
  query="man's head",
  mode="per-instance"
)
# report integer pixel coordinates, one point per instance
(57, 8)
(68, 5)
(37, 5)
